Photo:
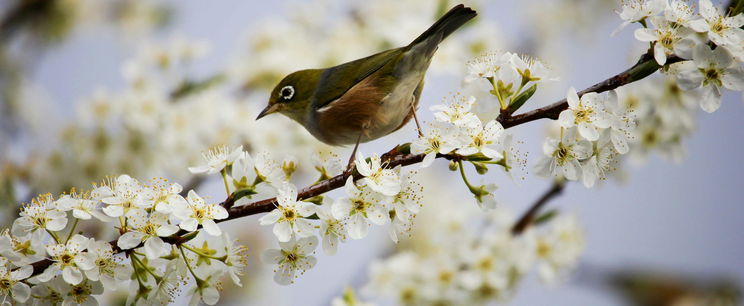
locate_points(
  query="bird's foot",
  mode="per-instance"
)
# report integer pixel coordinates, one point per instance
(350, 167)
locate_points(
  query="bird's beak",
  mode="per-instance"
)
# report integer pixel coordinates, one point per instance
(268, 110)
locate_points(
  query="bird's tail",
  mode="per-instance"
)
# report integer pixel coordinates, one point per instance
(451, 21)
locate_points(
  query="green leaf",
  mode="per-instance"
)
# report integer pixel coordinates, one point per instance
(520, 99)
(188, 237)
(546, 216)
(190, 87)
(477, 157)
(736, 7)
(643, 69)
(317, 200)
(245, 192)
(405, 148)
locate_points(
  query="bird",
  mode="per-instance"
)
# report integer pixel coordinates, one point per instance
(364, 99)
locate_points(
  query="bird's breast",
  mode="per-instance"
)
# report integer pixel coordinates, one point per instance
(371, 109)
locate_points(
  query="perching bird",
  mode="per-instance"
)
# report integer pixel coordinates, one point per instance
(364, 99)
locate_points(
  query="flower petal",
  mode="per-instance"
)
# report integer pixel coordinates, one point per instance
(129, 240)
(211, 228)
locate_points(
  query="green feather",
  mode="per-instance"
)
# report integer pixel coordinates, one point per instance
(337, 80)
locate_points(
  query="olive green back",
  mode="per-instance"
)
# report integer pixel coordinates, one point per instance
(337, 80)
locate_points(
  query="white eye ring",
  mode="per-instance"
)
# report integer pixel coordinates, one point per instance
(287, 96)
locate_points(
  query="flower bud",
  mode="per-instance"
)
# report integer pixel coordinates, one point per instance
(289, 166)
(452, 165)
(481, 168)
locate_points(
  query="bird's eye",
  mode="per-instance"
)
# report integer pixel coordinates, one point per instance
(287, 93)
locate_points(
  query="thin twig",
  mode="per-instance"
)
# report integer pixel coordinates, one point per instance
(645, 66)
(529, 216)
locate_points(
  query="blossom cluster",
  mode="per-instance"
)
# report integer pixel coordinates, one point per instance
(157, 231)
(477, 267)
(710, 40)
(458, 131)
(513, 78)
(593, 131)
(665, 117)
(382, 196)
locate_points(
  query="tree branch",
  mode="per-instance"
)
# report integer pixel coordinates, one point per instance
(645, 66)
(529, 216)
(399, 156)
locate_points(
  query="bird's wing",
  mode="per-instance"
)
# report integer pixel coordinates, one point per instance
(334, 82)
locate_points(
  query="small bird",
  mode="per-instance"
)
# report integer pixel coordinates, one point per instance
(364, 99)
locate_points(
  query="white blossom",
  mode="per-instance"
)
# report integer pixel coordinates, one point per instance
(486, 272)
(405, 205)
(289, 217)
(599, 163)
(360, 208)
(378, 178)
(562, 157)
(12, 282)
(532, 69)
(148, 229)
(440, 138)
(484, 140)
(327, 164)
(82, 293)
(711, 70)
(559, 248)
(243, 173)
(268, 169)
(488, 66)
(217, 159)
(504, 71)
(456, 111)
(622, 127)
(294, 256)
(122, 196)
(332, 229)
(69, 259)
(82, 206)
(668, 37)
(588, 113)
(679, 12)
(21, 249)
(105, 267)
(236, 258)
(163, 197)
(38, 216)
(207, 290)
(514, 162)
(721, 29)
(485, 198)
(50, 292)
(166, 289)
(638, 10)
(348, 299)
(198, 212)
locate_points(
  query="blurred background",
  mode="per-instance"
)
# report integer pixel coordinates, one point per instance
(96, 88)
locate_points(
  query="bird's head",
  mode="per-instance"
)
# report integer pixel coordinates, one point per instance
(293, 95)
